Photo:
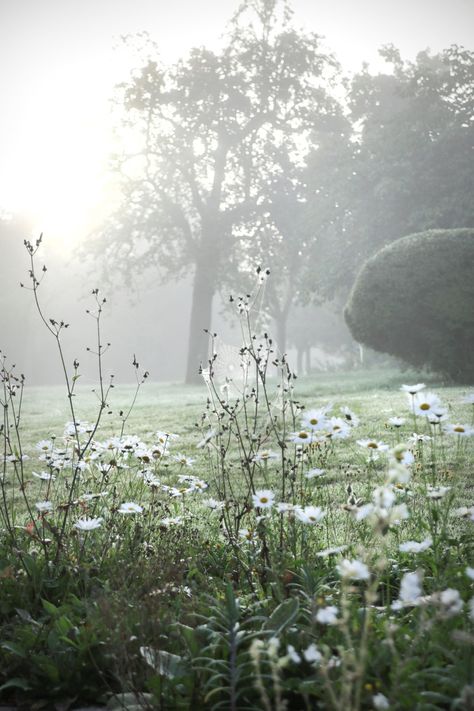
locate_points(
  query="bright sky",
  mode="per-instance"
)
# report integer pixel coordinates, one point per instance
(59, 66)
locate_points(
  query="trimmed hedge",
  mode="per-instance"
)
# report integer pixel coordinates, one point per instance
(415, 300)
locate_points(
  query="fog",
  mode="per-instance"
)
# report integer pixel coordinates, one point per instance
(168, 192)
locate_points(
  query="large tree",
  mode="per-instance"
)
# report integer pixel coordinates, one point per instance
(408, 167)
(211, 129)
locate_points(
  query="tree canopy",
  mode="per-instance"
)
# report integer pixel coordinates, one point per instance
(408, 166)
(217, 131)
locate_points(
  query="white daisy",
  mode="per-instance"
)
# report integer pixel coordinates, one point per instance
(372, 445)
(415, 547)
(410, 591)
(310, 514)
(314, 419)
(88, 524)
(44, 476)
(315, 472)
(412, 389)
(263, 499)
(312, 654)
(459, 430)
(327, 615)
(264, 456)
(353, 570)
(425, 404)
(130, 508)
(44, 506)
(302, 437)
(396, 421)
(350, 417)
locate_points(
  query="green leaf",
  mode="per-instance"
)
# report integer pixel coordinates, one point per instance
(283, 616)
(50, 608)
(14, 648)
(190, 637)
(17, 683)
(164, 663)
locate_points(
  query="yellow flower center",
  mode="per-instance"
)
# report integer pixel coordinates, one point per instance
(263, 500)
(459, 428)
(313, 421)
(373, 445)
(424, 406)
(303, 435)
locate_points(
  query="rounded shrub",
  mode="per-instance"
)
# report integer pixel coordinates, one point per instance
(415, 300)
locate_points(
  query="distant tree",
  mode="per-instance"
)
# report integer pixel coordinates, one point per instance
(281, 236)
(211, 130)
(408, 167)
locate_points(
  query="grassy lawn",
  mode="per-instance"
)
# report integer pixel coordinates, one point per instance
(259, 573)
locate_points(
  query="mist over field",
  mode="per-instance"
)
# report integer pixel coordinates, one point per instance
(360, 136)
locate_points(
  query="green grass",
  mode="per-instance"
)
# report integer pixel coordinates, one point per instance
(183, 590)
(176, 407)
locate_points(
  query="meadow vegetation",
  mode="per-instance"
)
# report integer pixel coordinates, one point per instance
(257, 542)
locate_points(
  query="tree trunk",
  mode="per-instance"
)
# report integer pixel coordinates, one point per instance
(281, 332)
(299, 361)
(201, 317)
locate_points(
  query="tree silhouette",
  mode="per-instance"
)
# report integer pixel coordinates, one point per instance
(212, 131)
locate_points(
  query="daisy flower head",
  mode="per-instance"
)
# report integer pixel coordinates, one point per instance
(425, 404)
(402, 455)
(293, 654)
(310, 514)
(415, 547)
(327, 615)
(214, 504)
(164, 437)
(420, 438)
(88, 524)
(335, 550)
(338, 428)
(451, 601)
(465, 512)
(183, 460)
(304, 437)
(247, 534)
(353, 570)
(264, 456)
(312, 655)
(410, 591)
(44, 445)
(396, 421)
(130, 508)
(283, 507)
(437, 492)
(398, 473)
(44, 476)
(314, 419)
(350, 417)
(413, 389)
(44, 506)
(171, 521)
(459, 430)
(380, 702)
(315, 472)
(372, 445)
(263, 499)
